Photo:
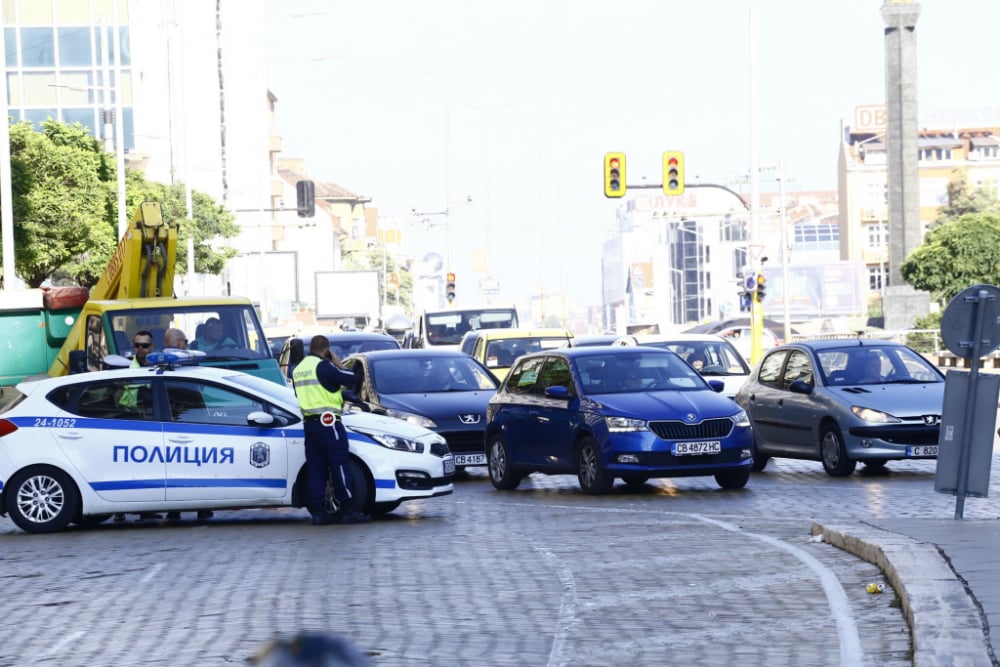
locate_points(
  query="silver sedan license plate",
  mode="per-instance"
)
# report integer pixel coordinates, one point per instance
(700, 447)
(922, 450)
(470, 459)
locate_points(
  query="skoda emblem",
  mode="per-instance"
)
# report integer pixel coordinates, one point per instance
(691, 416)
(469, 419)
(260, 455)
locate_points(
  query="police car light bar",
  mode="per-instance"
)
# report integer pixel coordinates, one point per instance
(173, 356)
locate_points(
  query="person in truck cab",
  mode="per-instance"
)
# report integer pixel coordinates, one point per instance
(212, 336)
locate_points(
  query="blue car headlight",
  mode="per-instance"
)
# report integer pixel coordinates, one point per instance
(741, 419)
(876, 416)
(412, 418)
(625, 424)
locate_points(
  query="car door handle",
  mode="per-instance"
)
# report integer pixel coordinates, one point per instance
(69, 435)
(183, 438)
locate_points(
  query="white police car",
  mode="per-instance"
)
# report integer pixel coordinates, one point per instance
(80, 448)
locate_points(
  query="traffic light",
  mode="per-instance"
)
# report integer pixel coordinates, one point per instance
(449, 288)
(673, 173)
(305, 198)
(761, 287)
(614, 174)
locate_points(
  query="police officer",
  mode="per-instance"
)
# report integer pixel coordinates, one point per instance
(319, 382)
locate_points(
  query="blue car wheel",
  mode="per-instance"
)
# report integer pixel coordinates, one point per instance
(594, 478)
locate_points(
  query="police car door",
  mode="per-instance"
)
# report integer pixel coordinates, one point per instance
(214, 453)
(113, 440)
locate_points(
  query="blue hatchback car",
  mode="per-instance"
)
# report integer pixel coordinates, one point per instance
(602, 413)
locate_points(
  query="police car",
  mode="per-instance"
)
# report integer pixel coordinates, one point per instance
(80, 448)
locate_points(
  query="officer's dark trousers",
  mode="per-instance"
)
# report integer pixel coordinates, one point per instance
(327, 455)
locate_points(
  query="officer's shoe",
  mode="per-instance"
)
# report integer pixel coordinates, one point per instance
(355, 517)
(321, 519)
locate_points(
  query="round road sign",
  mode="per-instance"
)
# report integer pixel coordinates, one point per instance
(959, 320)
(327, 418)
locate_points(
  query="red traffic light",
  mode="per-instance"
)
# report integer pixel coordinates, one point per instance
(451, 277)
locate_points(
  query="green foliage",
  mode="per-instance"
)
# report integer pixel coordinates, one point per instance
(926, 343)
(963, 199)
(955, 256)
(211, 221)
(65, 205)
(60, 201)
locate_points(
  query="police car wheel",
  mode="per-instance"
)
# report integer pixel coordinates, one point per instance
(362, 489)
(42, 500)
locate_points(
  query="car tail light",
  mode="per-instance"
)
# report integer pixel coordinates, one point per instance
(6, 427)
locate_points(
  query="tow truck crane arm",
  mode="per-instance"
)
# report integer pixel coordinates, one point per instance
(143, 263)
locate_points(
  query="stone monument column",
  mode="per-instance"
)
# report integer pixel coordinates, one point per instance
(902, 303)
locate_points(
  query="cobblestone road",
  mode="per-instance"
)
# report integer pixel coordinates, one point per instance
(680, 573)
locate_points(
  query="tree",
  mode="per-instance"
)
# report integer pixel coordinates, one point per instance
(66, 210)
(956, 255)
(964, 199)
(61, 194)
(211, 221)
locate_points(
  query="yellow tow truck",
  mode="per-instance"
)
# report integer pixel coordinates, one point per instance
(136, 293)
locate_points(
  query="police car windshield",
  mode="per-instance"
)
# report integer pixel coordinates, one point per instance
(273, 390)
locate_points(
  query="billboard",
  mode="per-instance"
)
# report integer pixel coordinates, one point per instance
(824, 290)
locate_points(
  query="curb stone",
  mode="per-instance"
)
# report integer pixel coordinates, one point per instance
(946, 626)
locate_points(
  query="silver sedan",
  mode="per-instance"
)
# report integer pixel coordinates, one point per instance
(844, 401)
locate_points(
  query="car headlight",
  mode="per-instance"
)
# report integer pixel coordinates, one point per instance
(419, 420)
(396, 442)
(625, 424)
(870, 415)
(741, 419)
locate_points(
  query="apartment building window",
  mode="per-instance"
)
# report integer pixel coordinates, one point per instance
(877, 277)
(878, 234)
(816, 236)
(935, 154)
(55, 66)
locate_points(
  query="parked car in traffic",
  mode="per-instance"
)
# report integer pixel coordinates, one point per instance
(712, 356)
(74, 451)
(607, 412)
(498, 348)
(844, 401)
(443, 390)
(342, 343)
(595, 339)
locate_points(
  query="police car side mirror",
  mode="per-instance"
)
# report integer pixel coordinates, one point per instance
(260, 418)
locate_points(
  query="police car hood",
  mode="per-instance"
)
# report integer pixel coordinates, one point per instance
(439, 405)
(367, 422)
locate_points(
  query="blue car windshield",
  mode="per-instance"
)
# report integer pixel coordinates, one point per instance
(632, 370)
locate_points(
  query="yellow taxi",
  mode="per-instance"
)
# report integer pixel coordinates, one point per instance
(498, 348)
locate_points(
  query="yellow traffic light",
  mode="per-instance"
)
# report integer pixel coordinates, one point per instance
(614, 174)
(761, 287)
(673, 172)
(449, 288)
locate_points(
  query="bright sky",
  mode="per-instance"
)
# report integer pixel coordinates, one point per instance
(538, 90)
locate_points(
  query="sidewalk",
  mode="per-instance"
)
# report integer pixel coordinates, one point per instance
(947, 574)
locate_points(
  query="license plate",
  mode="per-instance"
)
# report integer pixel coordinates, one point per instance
(705, 447)
(449, 466)
(470, 459)
(922, 450)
